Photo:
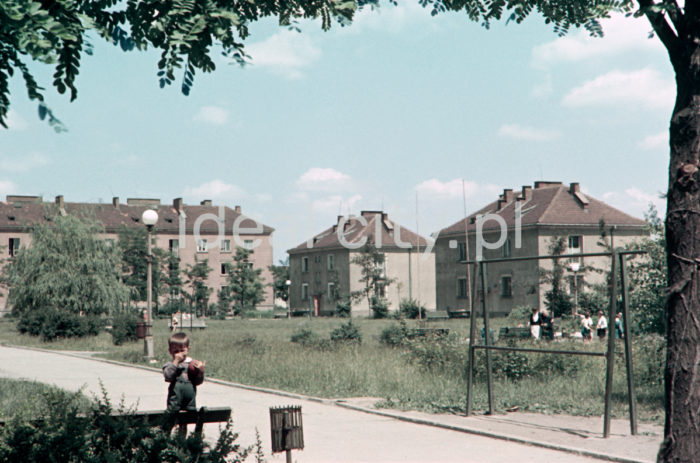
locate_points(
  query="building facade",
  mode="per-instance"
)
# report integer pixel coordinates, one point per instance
(322, 269)
(526, 223)
(194, 232)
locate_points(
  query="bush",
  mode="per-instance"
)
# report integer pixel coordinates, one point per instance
(61, 434)
(54, 324)
(380, 307)
(410, 308)
(444, 355)
(305, 337)
(124, 328)
(520, 315)
(395, 335)
(343, 308)
(347, 332)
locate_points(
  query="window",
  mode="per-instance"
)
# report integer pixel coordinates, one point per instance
(304, 292)
(331, 262)
(461, 288)
(331, 291)
(505, 249)
(174, 246)
(575, 244)
(224, 268)
(506, 286)
(225, 245)
(201, 245)
(248, 244)
(317, 277)
(13, 247)
(461, 251)
(317, 259)
(304, 264)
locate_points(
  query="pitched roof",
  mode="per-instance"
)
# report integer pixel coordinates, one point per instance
(548, 203)
(372, 225)
(19, 213)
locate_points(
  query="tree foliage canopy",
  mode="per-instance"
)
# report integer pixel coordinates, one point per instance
(68, 267)
(244, 281)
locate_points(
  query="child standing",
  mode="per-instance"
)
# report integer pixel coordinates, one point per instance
(602, 325)
(183, 373)
(586, 325)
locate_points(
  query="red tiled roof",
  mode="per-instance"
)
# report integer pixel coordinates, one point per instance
(550, 204)
(20, 215)
(390, 233)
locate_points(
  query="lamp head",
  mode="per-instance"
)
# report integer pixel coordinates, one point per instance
(288, 282)
(149, 217)
(575, 266)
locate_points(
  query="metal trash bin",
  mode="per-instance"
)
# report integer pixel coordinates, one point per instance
(140, 330)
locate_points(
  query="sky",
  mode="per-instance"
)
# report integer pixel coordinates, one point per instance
(421, 117)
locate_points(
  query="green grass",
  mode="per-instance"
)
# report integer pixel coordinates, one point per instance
(428, 377)
(22, 398)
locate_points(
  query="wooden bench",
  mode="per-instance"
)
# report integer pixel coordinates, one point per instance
(458, 313)
(518, 332)
(192, 323)
(301, 313)
(430, 332)
(435, 315)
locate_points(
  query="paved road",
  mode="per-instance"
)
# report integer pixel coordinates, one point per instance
(331, 433)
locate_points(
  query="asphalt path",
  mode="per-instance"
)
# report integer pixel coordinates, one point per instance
(331, 433)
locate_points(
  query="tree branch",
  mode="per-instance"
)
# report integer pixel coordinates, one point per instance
(662, 28)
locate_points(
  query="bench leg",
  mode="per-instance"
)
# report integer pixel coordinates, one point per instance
(200, 422)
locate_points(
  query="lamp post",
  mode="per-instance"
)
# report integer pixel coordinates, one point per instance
(288, 283)
(149, 218)
(574, 267)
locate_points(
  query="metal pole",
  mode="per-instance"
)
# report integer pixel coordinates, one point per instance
(610, 357)
(628, 348)
(472, 337)
(148, 340)
(482, 270)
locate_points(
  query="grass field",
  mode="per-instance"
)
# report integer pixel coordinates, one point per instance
(421, 375)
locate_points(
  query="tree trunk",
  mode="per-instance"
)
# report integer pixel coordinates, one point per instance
(682, 375)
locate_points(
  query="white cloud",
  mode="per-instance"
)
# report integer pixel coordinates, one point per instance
(527, 133)
(390, 18)
(7, 187)
(333, 205)
(24, 163)
(635, 201)
(622, 35)
(435, 189)
(215, 189)
(212, 115)
(323, 179)
(15, 122)
(286, 52)
(655, 141)
(644, 87)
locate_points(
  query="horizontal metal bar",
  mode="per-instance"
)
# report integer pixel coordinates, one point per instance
(541, 351)
(561, 256)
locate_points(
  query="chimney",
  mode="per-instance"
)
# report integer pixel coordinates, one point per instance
(115, 202)
(206, 203)
(177, 204)
(508, 195)
(575, 191)
(237, 209)
(59, 201)
(526, 193)
(545, 184)
(574, 188)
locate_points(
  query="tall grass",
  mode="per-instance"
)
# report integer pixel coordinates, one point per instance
(424, 375)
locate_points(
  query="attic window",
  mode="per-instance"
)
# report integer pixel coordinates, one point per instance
(135, 219)
(11, 217)
(169, 219)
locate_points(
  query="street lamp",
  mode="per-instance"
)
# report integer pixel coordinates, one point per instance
(575, 267)
(149, 218)
(288, 283)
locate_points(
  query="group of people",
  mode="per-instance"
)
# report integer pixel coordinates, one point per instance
(541, 325)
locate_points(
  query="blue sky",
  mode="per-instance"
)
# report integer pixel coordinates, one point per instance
(395, 112)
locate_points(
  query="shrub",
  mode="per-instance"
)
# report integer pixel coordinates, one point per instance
(380, 307)
(395, 335)
(438, 355)
(54, 324)
(124, 328)
(410, 308)
(520, 315)
(343, 308)
(62, 435)
(347, 332)
(305, 337)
